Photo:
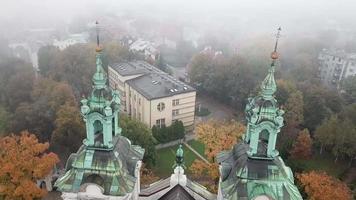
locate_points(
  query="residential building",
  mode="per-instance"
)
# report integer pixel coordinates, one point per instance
(80, 38)
(151, 95)
(253, 168)
(145, 48)
(335, 66)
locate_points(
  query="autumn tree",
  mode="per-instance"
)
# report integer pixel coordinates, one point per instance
(38, 115)
(216, 136)
(23, 161)
(302, 148)
(69, 131)
(147, 176)
(320, 186)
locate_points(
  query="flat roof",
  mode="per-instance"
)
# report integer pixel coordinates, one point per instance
(153, 83)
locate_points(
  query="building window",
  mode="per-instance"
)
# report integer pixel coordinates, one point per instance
(175, 112)
(160, 107)
(134, 97)
(139, 116)
(175, 102)
(161, 122)
(139, 101)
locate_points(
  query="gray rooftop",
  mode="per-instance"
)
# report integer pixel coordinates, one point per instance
(153, 83)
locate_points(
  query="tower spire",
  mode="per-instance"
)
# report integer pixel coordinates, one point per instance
(269, 87)
(98, 46)
(274, 54)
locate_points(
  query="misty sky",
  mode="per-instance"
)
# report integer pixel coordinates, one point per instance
(296, 16)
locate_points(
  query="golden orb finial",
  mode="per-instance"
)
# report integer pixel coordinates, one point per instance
(274, 55)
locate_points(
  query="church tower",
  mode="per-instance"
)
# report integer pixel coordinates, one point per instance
(106, 161)
(253, 169)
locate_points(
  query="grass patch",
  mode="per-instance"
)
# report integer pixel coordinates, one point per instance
(198, 146)
(319, 162)
(203, 112)
(166, 157)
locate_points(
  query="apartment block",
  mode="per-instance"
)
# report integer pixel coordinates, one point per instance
(335, 66)
(151, 95)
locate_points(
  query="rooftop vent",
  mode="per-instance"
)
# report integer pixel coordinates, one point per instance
(175, 90)
(171, 90)
(185, 88)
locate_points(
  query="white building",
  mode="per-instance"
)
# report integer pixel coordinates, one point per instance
(335, 66)
(151, 95)
(80, 38)
(146, 48)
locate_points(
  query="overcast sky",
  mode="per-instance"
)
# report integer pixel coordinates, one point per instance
(293, 15)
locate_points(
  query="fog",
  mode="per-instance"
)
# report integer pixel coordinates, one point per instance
(235, 19)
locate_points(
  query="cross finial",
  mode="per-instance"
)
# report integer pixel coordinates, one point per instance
(98, 47)
(278, 35)
(274, 54)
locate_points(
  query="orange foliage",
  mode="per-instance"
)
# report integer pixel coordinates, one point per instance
(302, 148)
(320, 186)
(23, 161)
(218, 136)
(147, 176)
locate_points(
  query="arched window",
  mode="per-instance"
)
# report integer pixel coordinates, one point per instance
(98, 133)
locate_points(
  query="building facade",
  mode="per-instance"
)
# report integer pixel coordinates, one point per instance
(335, 66)
(253, 169)
(151, 95)
(106, 166)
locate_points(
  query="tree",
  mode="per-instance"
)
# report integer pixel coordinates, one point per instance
(69, 131)
(39, 114)
(320, 186)
(23, 160)
(74, 65)
(140, 134)
(47, 58)
(319, 104)
(168, 133)
(302, 148)
(147, 176)
(216, 136)
(4, 120)
(16, 82)
(325, 134)
(349, 86)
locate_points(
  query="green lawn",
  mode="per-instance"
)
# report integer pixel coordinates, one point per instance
(165, 160)
(198, 146)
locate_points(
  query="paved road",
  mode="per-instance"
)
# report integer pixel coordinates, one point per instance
(218, 111)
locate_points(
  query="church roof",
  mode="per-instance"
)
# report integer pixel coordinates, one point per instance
(113, 170)
(196, 190)
(177, 193)
(243, 177)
